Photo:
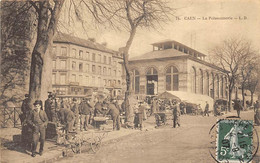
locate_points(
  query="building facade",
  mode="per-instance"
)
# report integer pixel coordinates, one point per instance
(172, 66)
(83, 66)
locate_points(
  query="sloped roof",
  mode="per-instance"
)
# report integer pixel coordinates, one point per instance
(66, 38)
(159, 54)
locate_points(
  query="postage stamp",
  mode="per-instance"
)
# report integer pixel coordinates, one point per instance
(234, 140)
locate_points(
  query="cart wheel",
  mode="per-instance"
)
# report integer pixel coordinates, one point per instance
(75, 144)
(95, 146)
(76, 148)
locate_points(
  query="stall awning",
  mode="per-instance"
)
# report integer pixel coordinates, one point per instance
(188, 97)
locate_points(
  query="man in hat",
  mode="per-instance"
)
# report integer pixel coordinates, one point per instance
(75, 109)
(238, 107)
(114, 112)
(85, 111)
(26, 136)
(50, 108)
(66, 118)
(38, 121)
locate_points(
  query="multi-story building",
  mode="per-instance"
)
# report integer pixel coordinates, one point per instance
(83, 66)
(172, 66)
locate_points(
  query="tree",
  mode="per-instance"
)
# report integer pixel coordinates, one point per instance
(230, 55)
(130, 15)
(247, 75)
(16, 36)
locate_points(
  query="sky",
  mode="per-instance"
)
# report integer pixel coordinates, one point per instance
(196, 26)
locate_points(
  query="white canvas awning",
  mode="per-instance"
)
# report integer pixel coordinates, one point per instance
(188, 97)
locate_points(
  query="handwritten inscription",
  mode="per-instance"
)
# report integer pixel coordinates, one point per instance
(192, 18)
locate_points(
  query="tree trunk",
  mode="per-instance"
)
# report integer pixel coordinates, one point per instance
(128, 81)
(46, 28)
(252, 98)
(243, 97)
(229, 100)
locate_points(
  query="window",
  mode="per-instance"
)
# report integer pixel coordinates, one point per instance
(109, 60)
(193, 80)
(109, 71)
(93, 80)
(53, 78)
(80, 67)
(87, 80)
(99, 70)
(109, 83)
(54, 64)
(87, 67)
(87, 56)
(80, 79)
(105, 82)
(201, 80)
(73, 53)
(73, 65)
(119, 73)
(99, 81)
(114, 72)
(99, 58)
(73, 78)
(104, 71)
(105, 59)
(207, 84)
(172, 79)
(93, 69)
(63, 64)
(152, 71)
(80, 54)
(94, 57)
(119, 82)
(136, 81)
(63, 79)
(63, 51)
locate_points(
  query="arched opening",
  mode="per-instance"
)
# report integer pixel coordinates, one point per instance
(217, 86)
(212, 89)
(135, 81)
(221, 87)
(193, 80)
(172, 79)
(207, 84)
(152, 81)
(201, 82)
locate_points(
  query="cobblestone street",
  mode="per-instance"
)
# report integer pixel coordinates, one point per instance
(189, 143)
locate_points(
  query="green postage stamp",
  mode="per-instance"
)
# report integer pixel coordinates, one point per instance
(234, 140)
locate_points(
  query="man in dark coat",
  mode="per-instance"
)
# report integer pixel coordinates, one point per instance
(50, 108)
(176, 115)
(140, 114)
(85, 111)
(75, 109)
(38, 120)
(67, 118)
(114, 112)
(206, 111)
(237, 107)
(26, 131)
